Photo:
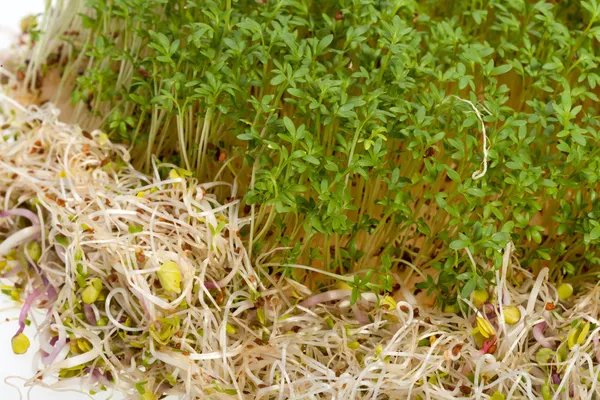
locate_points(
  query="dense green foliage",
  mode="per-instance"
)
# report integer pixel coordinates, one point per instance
(338, 120)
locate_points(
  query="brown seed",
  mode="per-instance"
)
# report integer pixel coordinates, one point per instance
(550, 306)
(142, 71)
(465, 389)
(492, 349)
(427, 320)
(20, 75)
(87, 135)
(104, 162)
(60, 202)
(222, 156)
(404, 309)
(113, 278)
(456, 349)
(416, 312)
(39, 80)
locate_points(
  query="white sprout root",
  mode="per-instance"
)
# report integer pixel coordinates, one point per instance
(480, 173)
(233, 331)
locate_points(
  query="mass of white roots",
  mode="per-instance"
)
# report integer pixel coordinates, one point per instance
(238, 329)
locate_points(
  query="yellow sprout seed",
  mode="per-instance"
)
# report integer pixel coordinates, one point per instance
(583, 334)
(389, 303)
(480, 297)
(343, 286)
(92, 291)
(485, 328)
(451, 308)
(354, 345)
(173, 174)
(230, 329)
(512, 315)
(35, 251)
(20, 344)
(543, 356)
(577, 335)
(497, 396)
(565, 291)
(170, 277)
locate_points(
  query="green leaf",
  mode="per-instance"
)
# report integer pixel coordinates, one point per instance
(468, 288)
(595, 233)
(476, 192)
(323, 43)
(277, 79)
(501, 69)
(459, 244)
(452, 174)
(289, 125)
(312, 159)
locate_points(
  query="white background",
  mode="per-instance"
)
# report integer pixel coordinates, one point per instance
(11, 13)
